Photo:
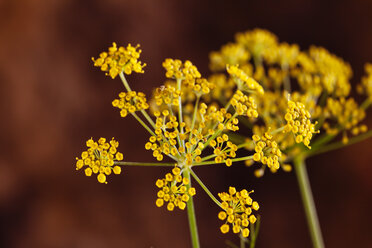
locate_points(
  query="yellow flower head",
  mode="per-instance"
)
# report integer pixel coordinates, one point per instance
(346, 114)
(328, 71)
(231, 54)
(237, 211)
(224, 86)
(243, 81)
(244, 105)
(117, 60)
(178, 70)
(188, 74)
(258, 41)
(174, 190)
(166, 95)
(284, 54)
(185, 141)
(130, 102)
(100, 158)
(366, 85)
(223, 149)
(267, 151)
(299, 123)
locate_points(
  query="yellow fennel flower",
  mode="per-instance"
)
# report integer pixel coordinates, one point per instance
(231, 53)
(237, 211)
(100, 158)
(117, 60)
(366, 85)
(175, 69)
(224, 87)
(243, 81)
(258, 41)
(284, 54)
(130, 102)
(223, 149)
(325, 70)
(174, 190)
(188, 74)
(299, 123)
(267, 151)
(346, 114)
(166, 95)
(244, 105)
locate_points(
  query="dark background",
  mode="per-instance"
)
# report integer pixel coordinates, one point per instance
(53, 99)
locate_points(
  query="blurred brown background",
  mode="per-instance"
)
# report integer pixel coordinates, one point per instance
(53, 100)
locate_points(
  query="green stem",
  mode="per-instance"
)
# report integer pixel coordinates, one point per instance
(148, 118)
(191, 215)
(308, 202)
(232, 160)
(143, 124)
(204, 187)
(195, 113)
(143, 164)
(366, 104)
(127, 87)
(125, 82)
(242, 242)
(230, 244)
(287, 81)
(278, 130)
(228, 150)
(325, 138)
(254, 232)
(180, 118)
(338, 145)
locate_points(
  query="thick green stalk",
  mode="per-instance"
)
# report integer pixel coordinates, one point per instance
(242, 242)
(308, 202)
(191, 215)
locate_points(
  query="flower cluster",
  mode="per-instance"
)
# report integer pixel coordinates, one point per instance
(231, 54)
(117, 60)
(284, 55)
(243, 81)
(188, 74)
(165, 140)
(175, 69)
(299, 123)
(100, 158)
(366, 85)
(325, 71)
(130, 102)
(174, 190)
(244, 105)
(197, 119)
(315, 78)
(347, 116)
(267, 151)
(237, 211)
(224, 86)
(257, 41)
(166, 95)
(223, 149)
